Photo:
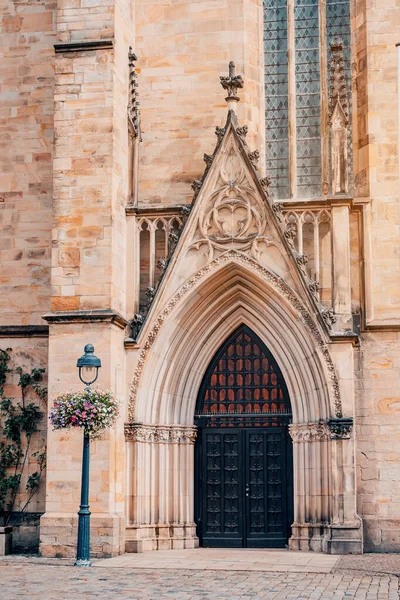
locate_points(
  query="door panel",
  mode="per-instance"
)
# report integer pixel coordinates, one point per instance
(222, 523)
(265, 491)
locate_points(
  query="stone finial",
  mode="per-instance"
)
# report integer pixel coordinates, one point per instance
(232, 83)
(133, 106)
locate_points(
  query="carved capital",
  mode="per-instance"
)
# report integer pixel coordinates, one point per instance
(333, 429)
(163, 434)
(340, 429)
(309, 432)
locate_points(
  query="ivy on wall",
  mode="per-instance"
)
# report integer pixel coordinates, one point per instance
(18, 423)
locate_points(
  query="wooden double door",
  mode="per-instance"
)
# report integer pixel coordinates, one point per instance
(244, 487)
(244, 474)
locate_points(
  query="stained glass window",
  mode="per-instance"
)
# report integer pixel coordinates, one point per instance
(308, 98)
(338, 25)
(243, 382)
(276, 97)
(305, 70)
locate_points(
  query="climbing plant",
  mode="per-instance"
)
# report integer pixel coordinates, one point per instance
(18, 422)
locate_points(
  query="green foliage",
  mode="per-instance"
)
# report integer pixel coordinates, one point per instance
(18, 422)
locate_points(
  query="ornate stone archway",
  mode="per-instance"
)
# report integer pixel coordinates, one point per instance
(177, 347)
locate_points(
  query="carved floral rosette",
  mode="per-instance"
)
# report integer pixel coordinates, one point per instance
(333, 429)
(167, 434)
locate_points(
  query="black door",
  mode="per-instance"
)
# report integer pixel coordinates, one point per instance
(243, 453)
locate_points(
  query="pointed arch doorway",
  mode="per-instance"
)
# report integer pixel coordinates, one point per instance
(243, 454)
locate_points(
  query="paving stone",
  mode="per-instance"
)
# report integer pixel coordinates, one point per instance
(38, 579)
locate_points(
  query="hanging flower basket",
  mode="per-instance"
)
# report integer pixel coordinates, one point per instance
(92, 409)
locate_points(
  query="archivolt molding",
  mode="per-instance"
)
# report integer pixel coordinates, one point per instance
(276, 283)
(167, 434)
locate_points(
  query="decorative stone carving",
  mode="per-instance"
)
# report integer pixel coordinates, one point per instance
(150, 293)
(265, 182)
(301, 259)
(340, 428)
(167, 434)
(220, 132)
(133, 106)
(309, 432)
(185, 212)
(277, 208)
(254, 158)
(333, 429)
(290, 235)
(196, 186)
(338, 120)
(173, 239)
(232, 83)
(234, 214)
(162, 264)
(208, 160)
(242, 132)
(136, 324)
(329, 316)
(276, 282)
(313, 286)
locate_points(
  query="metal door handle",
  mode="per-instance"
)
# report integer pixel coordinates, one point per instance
(247, 490)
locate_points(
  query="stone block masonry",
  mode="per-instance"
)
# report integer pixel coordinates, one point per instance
(27, 33)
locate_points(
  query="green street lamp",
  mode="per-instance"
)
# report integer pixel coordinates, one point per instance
(88, 366)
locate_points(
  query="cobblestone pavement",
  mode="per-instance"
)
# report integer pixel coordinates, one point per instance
(58, 580)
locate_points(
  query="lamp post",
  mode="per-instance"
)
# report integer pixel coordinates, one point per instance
(88, 368)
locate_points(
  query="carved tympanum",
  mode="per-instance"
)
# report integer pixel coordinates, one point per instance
(234, 214)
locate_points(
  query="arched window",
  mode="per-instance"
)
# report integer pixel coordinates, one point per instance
(243, 386)
(298, 35)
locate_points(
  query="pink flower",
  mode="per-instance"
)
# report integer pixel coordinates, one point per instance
(83, 415)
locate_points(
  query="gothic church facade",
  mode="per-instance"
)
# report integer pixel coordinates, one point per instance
(208, 192)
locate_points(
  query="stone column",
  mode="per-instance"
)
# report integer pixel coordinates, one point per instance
(324, 488)
(345, 536)
(312, 485)
(160, 497)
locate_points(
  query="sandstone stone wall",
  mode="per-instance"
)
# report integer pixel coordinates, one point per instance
(183, 47)
(27, 35)
(377, 377)
(376, 30)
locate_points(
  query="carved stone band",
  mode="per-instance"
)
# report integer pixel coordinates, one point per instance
(333, 429)
(167, 434)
